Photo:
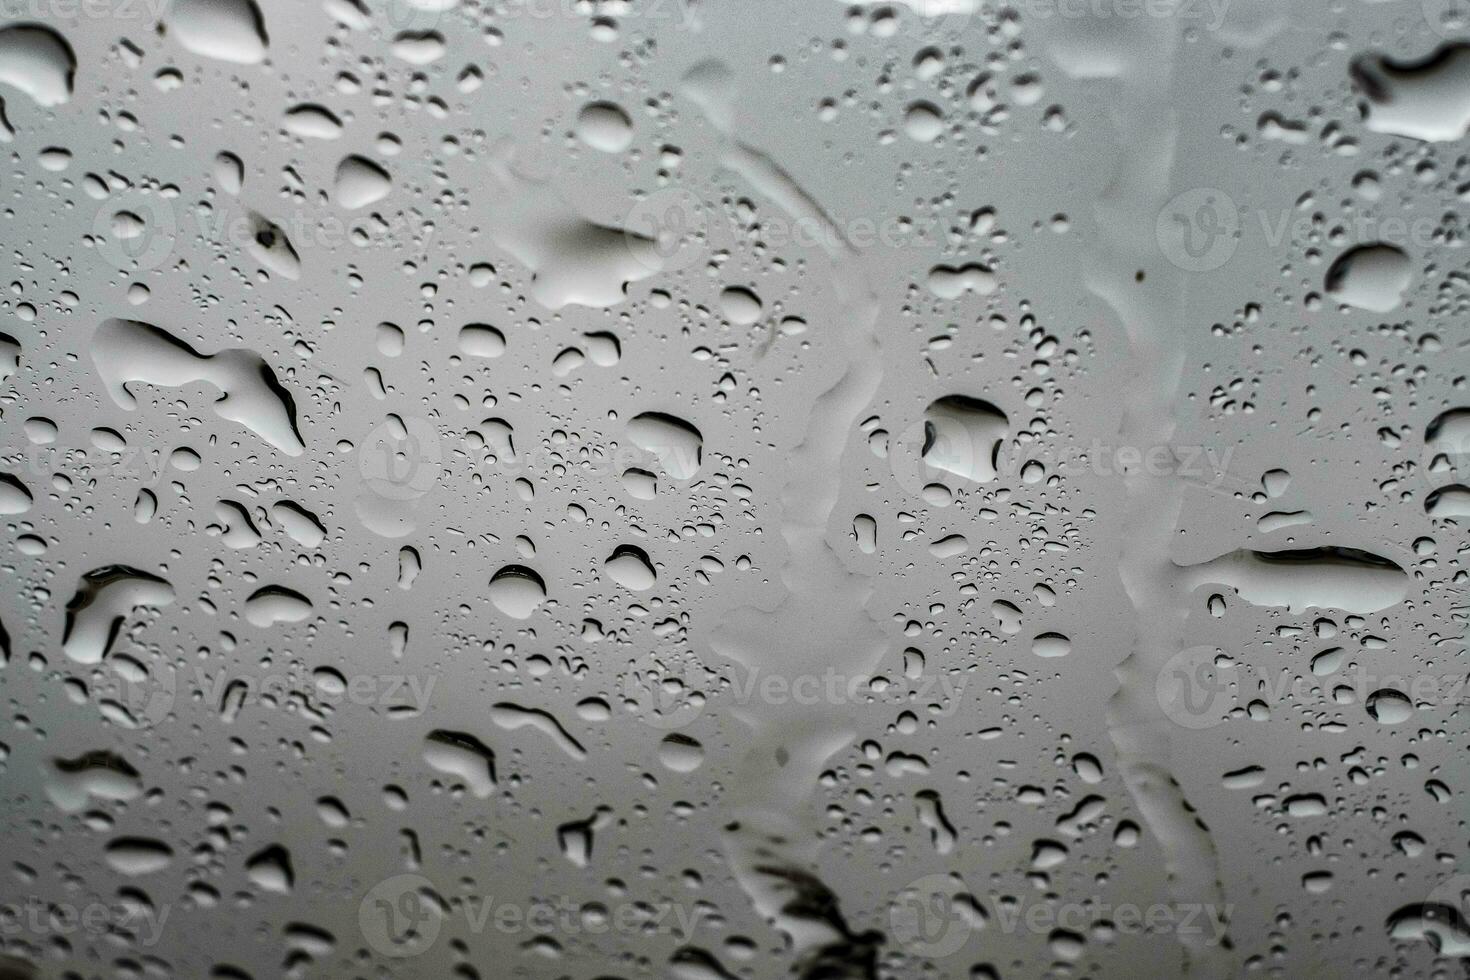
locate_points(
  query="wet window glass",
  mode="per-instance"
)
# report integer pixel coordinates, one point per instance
(734, 489)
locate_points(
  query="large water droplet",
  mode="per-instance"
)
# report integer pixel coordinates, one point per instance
(38, 61)
(227, 30)
(517, 591)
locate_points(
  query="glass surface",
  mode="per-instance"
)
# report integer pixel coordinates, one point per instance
(606, 489)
